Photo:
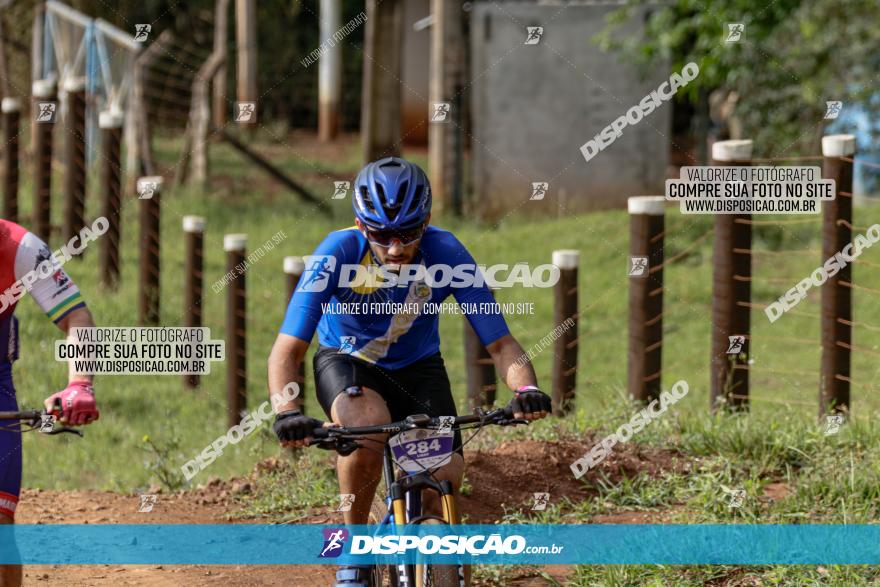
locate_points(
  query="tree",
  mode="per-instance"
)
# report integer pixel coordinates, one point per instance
(793, 57)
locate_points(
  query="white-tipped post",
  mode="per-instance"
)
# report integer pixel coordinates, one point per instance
(43, 88)
(732, 150)
(11, 105)
(650, 205)
(193, 224)
(838, 145)
(74, 84)
(566, 258)
(234, 242)
(294, 265)
(145, 182)
(110, 118)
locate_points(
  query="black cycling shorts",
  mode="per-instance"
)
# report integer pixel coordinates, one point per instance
(420, 388)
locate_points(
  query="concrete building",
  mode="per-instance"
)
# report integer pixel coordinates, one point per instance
(534, 104)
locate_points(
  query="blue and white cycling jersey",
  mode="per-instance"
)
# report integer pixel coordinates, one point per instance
(403, 328)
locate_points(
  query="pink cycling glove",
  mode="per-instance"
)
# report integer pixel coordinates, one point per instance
(77, 403)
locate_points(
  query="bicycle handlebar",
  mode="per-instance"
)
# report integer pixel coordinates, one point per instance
(339, 437)
(23, 415)
(35, 418)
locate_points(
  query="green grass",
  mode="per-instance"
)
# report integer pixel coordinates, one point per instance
(831, 479)
(784, 374)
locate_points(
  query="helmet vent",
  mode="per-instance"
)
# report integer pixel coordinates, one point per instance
(417, 198)
(365, 198)
(401, 193)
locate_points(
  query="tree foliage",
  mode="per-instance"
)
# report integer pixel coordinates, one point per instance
(793, 56)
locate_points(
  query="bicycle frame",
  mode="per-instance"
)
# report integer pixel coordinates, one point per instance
(403, 500)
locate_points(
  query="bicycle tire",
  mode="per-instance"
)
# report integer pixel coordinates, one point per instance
(377, 514)
(436, 575)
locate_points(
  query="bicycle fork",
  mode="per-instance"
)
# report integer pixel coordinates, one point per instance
(406, 505)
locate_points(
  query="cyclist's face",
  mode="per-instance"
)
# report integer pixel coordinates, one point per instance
(397, 253)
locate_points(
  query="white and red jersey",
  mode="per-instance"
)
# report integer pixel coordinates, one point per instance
(21, 254)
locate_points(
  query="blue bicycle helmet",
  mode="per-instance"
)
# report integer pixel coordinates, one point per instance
(391, 193)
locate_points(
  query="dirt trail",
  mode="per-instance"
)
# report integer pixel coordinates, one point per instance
(506, 475)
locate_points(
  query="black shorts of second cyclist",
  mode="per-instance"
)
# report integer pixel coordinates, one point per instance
(420, 388)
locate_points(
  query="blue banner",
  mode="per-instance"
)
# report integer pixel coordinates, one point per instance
(244, 544)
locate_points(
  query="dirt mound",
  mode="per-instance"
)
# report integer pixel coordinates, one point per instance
(509, 474)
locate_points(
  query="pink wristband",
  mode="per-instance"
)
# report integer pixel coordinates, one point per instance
(520, 390)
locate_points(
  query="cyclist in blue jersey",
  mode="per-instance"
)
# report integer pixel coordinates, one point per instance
(381, 362)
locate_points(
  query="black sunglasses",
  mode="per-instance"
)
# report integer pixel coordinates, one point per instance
(385, 238)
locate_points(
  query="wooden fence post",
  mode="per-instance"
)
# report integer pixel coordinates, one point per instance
(380, 111)
(837, 216)
(43, 124)
(110, 123)
(148, 308)
(11, 108)
(293, 270)
(236, 328)
(194, 229)
(37, 40)
(75, 159)
(447, 65)
(565, 307)
(329, 70)
(246, 39)
(482, 384)
(731, 292)
(218, 84)
(645, 296)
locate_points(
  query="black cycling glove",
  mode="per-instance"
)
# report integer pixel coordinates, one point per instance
(529, 400)
(291, 426)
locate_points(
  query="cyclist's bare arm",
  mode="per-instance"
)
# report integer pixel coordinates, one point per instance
(79, 318)
(287, 355)
(512, 363)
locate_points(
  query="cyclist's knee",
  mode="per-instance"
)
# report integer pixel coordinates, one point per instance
(366, 409)
(452, 471)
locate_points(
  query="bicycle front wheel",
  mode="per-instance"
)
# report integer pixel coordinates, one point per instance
(377, 514)
(437, 575)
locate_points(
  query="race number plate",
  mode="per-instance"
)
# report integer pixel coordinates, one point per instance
(417, 450)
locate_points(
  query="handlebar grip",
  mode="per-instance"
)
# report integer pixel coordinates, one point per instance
(507, 411)
(321, 432)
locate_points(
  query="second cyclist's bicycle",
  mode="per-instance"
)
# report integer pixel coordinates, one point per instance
(31, 420)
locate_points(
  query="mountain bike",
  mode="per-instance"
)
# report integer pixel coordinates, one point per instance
(30, 420)
(416, 448)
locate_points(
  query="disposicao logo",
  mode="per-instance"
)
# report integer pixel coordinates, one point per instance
(449, 544)
(334, 540)
(319, 268)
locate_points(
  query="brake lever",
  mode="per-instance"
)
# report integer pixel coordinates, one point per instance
(512, 422)
(344, 448)
(325, 442)
(63, 431)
